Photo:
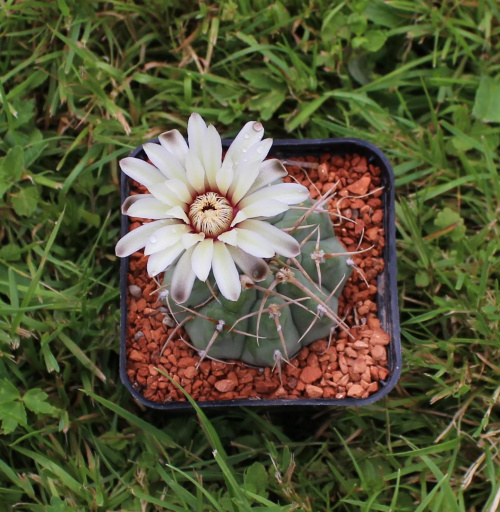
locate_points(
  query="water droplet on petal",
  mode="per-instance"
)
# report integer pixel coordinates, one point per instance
(153, 240)
(259, 149)
(246, 136)
(244, 150)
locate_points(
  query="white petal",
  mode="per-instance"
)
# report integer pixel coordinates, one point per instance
(212, 155)
(195, 172)
(165, 237)
(255, 268)
(201, 262)
(239, 217)
(148, 208)
(282, 242)
(159, 261)
(180, 189)
(229, 237)
(264, 208)
(255, 244)
(177, 213)
(225, 175)
(257, 152)
(225, 272)
(190, 239)
(140, 171)
(167, 163)
(244, 178)
(163, 192)
(248, 169)
(174, 142)
(289, 193)
(137, 238)
(251, 133)
(197, 130)
(183, 278)
(269, 171)
(131, 200)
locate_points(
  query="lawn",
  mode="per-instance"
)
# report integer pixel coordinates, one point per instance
(82, 84)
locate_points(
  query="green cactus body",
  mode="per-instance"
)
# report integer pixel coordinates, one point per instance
(333, 269)
(228, 344)
(261, 351)
(314, 220)
(304, 317)
(300, 324)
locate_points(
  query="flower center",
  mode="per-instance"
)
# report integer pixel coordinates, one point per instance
(211, 214)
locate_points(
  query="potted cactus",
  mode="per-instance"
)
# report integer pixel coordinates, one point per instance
(245, 275)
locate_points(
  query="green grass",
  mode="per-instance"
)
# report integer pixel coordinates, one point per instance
(81, 84)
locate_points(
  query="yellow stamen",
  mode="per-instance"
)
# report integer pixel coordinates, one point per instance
(211, 214)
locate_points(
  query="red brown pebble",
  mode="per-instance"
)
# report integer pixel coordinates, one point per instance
(327, 187)
(379, 337)
(383, 373)
(378, 352)
(355, 391)
(281, 392)
(323, 172)
(232, 376)
(141, 304)
(185, 362)
(190, 372)
(310, 373)
(314, 391)
(359, 365)
(360, 187)
(377, 216)
(135, 355)
(224, 385)
(372, 233)
(265, 386)
(312, 360)
(363, 310)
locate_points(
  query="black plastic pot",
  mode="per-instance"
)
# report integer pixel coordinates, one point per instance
(387, 298)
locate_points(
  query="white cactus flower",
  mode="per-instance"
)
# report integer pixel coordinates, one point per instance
(207, 212)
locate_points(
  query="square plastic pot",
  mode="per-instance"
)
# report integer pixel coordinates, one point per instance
(387, 297)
